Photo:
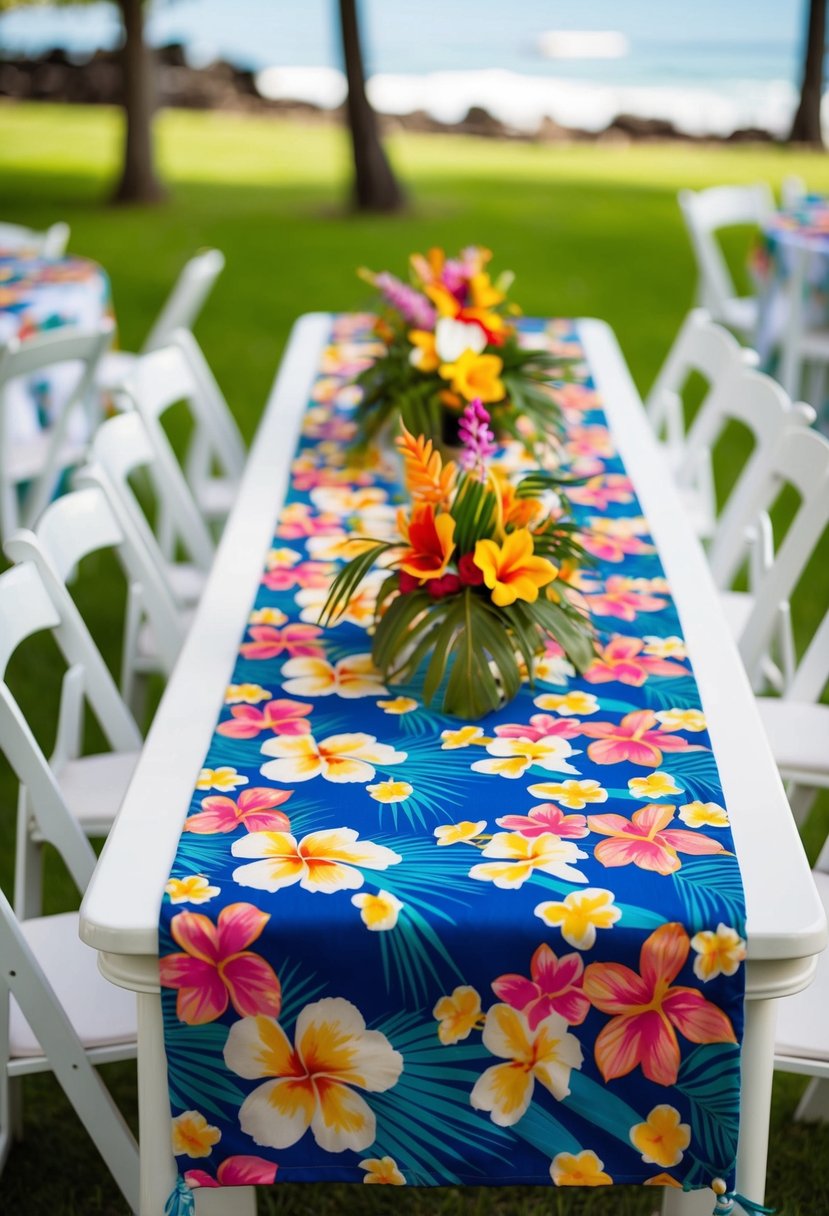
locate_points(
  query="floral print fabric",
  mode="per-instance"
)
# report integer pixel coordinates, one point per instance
(401, 949)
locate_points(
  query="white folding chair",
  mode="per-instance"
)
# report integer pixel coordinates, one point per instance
(33, 456)
(122, 448)
(56, 1011)
(804, 343)
(180, 310)
(705, 349)
(215, 456)
(50, 243)
(761, 617)
(706, 212)
(792, 191)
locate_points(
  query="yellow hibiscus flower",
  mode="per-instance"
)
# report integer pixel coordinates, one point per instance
(193, 1136)
(655, 785)
(312, 1083)
(512, 757)
(520, 856)
(511, 571)
(423, 355)
(473, 375)
(703, 815)
(459, 833)
(579, 1169)
(379, 911)
(382, 1170)
(339, 758)
(580, 914)
(325, 861)
(718, 953)
(546, 1054)
(458, 1014)
(569, 704)
(353, 676)
(194, 889)
(575, 795)
(390, 791)
(224, 779)
(661, 1139)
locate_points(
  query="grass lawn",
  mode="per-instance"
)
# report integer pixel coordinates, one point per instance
(589, 230)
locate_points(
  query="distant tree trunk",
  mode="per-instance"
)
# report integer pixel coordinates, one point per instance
(139, 183)
(806, 125)
(375, 186)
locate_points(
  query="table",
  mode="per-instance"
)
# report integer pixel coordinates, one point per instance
(36, 295)
(786, 925)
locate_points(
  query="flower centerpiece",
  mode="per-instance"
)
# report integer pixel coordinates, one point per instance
(476, 582)
(448, 340)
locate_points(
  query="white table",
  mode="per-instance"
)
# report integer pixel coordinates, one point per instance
(786, 925)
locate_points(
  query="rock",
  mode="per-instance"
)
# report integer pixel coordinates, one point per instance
(645, 128)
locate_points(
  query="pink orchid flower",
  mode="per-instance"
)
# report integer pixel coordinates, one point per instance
(216, 966)
(255, 808)
(539, 726)
(296, 640)
(305, 574)
(601, 491)
(235, 1171)
(281, 716)
(624, 602)
(547, 817)
(633, 739)
(648, 1011)
(622, 659)
(555, 987)
(646, 840)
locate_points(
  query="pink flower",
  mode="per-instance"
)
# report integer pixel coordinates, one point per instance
(439, 588)
(216, 966)
(589, 441)
(235, 1171)
(601, 490)
(305, 574)
(547, 817)
(611, 548)
(648, 1011)
(575, 398)
(633, 739)
(624, 601)
(646, 840)
(296, 640)
(555, 987)
(298, 520)
(539, 726)
(282, 716)
(622, 659)
(255, 808)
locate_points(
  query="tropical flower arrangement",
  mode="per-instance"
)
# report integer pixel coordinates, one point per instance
(447, 341)
(477, 577)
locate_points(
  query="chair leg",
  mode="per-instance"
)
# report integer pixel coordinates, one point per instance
(814, 1105)
(816, 384)
(28, 865)
(800, 798)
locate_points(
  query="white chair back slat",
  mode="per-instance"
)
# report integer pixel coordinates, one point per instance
(812, 674)
(48, 244)
(187, 298)
(25, 608)
(213, 413)
(707, 211)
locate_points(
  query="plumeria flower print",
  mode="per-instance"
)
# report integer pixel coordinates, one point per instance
(703, 814)
(580, 914)
(193, 1136)
(382, 1170)
(224, 778)
(512, 757)
(459, 833)
(353, 676)
(339, 758)
(240, 1170)
(458, 1015)
(554, 986)
(662, 1138)
(655, 785)
(322, 862)
(313, 1082)
(573, 704)
(378, 912)
(294, 640)
(719, 952)
(579, 1169)
(194, 889)
(519, 857)
(575, 795)
(546, 818)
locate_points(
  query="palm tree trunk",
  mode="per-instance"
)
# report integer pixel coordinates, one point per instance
(139, 183)
(806, 125)
(375, 186)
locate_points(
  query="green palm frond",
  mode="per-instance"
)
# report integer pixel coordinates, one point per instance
(349, 578)
(196, 1071)
(711, 890)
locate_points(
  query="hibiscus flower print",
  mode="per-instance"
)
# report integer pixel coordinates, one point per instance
(623, 660)
(255, 809)
(294, 640)
(554, 986)
(636, 739)
(280, 716)
(546, 818)
(647, 841)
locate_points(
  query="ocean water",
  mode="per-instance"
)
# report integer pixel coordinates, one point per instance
(709, 66)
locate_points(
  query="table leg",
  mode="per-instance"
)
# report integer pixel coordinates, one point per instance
(229, 1201)
(755, 1103)
(157, 1167)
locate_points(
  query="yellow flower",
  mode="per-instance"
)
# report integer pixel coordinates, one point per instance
(353, 676)
(484, 293)
(580, 914)
(655, 785)
(359, 609)
(195, 889)
(579, 1169)
(423, 354)
(390, 791)
(378, 911)
(661, 1139)
(458, 833)
(520, 856)
(193, 1135)
(462, 737)
(666, 648)
(325, 861)
(662, 1180)
(512, 757)
(224, 779)
(251, 694)
(383, 1170)
(553, 669)
(457, 1015)
(682, 719)
(718, 953)
(546, 1054)
(281, 557)
(400, 705)
(569, 704)
(575, 795)
(511, 571)
(267, 616)
(474, 375)
(339, 758)
(313, 1083)
(703, 815)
